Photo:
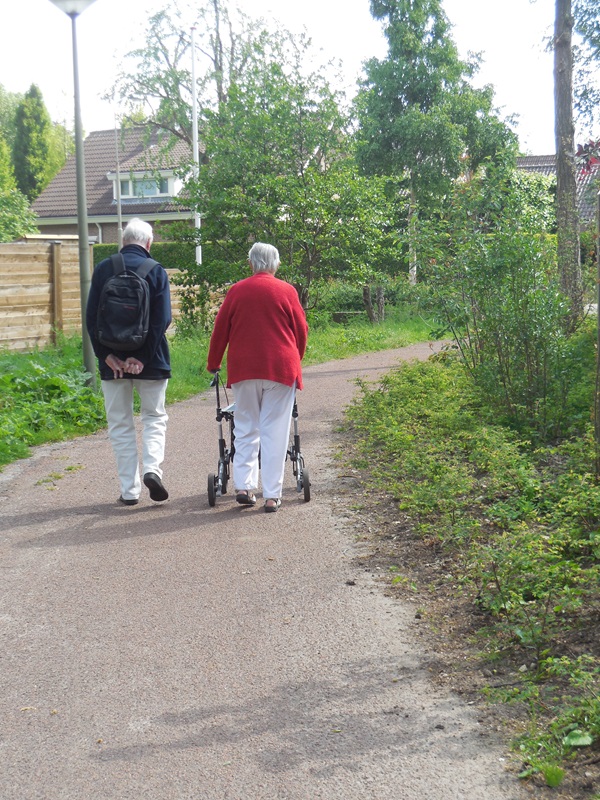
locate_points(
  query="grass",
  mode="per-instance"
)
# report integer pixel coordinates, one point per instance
(44, 396)
(188, 367)
(342, 341)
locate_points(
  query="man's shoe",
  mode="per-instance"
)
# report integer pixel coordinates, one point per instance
(128, 501)
(155, 485)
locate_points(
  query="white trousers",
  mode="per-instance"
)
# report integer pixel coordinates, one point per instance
(118, 402)
(263, 410)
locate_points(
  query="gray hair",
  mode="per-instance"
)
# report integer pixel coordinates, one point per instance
(264, 258)
(138, 232)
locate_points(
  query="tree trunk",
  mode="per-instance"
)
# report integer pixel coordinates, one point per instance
(567, 218)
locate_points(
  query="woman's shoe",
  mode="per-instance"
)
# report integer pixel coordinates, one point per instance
(245, 497)
(275, 503)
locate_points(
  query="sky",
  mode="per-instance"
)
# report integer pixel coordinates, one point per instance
(36, 47)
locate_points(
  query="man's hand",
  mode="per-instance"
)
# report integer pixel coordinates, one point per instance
(133, 366)
(117, 366)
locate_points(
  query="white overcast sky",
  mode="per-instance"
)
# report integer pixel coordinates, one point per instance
(35, 39)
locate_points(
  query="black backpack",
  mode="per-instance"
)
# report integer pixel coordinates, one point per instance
(124, 309)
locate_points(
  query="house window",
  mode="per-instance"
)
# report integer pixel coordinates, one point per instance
(144, 187)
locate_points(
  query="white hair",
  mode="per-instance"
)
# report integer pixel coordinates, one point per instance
(138, 232)
(264, 258)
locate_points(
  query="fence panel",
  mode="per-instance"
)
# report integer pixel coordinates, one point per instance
(40, 294)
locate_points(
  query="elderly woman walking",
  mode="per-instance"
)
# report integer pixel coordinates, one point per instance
(263, 326)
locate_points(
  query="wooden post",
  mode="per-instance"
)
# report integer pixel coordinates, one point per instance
(368, 303)
(57, 289)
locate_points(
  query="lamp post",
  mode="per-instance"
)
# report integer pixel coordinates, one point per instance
(197, 219)
(73, 8)
(119, 210)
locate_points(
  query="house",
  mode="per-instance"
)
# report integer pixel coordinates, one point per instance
(587, 183)
(148, 177)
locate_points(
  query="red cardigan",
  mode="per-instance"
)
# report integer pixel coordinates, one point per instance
(264, 325)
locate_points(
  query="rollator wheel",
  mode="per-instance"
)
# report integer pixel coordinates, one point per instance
(306, 485)
(212, 490)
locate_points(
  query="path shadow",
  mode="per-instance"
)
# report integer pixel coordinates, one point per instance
(325, 723)
(81, 526)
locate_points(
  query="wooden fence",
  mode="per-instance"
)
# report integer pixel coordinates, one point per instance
(39, 293)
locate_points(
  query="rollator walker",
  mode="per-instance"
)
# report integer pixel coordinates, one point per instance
(218, 481)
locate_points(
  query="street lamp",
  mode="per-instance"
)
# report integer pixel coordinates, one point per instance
(197, 219)
(73, 8)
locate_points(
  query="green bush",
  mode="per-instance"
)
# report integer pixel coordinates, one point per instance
(518, 527)
(494, 268)
(337, 296)
(44, 397)
(589, 271)
(528, 531)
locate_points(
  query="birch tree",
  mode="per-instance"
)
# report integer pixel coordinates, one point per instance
(567, 217)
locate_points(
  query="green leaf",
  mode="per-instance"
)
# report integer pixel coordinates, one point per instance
(578, 739)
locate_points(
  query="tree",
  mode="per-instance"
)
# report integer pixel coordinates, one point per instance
(419, 117)
(586, 55)
(7, 175)
(493, 268)
(275, 158)
(9, 102)
(32, 144)
(61, 141)
(567, 217)
(15, 217)
(278, 168)
(157, 83)
(61, 146)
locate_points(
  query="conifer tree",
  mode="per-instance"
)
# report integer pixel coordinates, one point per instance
(32, 144)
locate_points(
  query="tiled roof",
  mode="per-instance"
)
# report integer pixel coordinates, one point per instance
(587, 183)
(136, 153)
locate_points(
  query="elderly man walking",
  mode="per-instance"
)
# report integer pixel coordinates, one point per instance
(146, 369)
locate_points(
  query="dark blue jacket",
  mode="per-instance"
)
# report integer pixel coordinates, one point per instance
(154, 354)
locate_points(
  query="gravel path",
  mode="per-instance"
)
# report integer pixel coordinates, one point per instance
(181, 652)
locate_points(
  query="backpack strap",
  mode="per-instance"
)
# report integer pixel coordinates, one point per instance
(146, 267)
(118, 264)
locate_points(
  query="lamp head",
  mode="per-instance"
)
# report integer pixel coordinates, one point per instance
(72, 7)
